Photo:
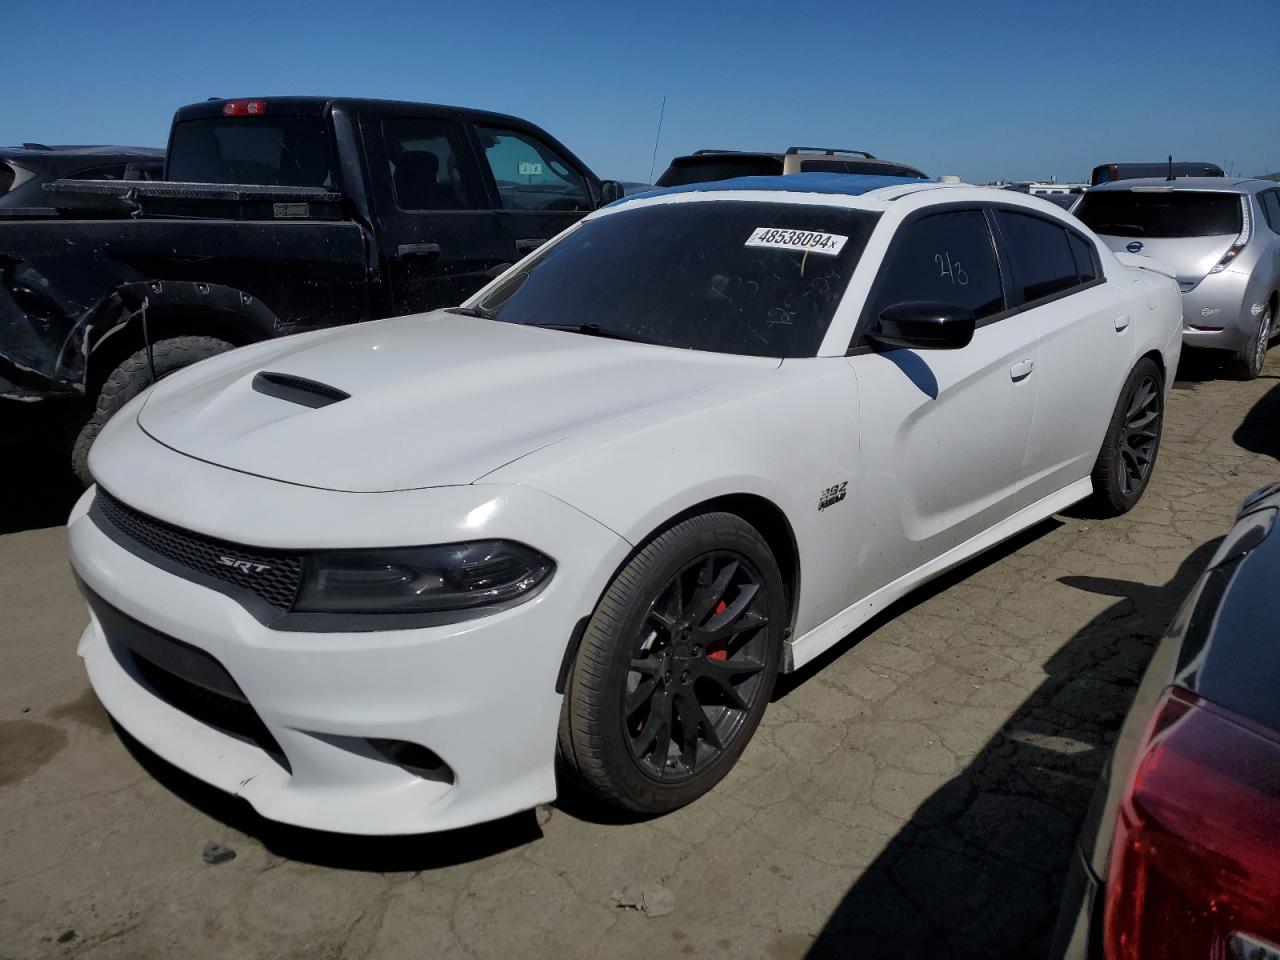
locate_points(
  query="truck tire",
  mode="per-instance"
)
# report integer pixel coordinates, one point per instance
(130, 379)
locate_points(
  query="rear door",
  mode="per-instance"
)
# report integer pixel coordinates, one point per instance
(537, 188)
(943, 432)
(1084, 344)
(439, 238)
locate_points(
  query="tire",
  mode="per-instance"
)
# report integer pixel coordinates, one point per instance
(709, 691)
(129, 379)
(1247, 364)
(1128, 454)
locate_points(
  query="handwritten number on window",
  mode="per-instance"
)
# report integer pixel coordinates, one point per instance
(951, 269)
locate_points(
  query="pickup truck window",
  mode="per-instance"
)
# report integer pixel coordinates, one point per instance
(278, 151)
(430, 167)
(530, 175)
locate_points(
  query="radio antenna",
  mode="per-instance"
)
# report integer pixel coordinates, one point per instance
(652, 163)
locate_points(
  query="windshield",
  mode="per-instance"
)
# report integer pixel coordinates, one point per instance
(280, 151)
(1175, 213)
(746, 277)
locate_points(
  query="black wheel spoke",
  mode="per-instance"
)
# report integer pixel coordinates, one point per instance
(641, 695)
(724, 673)
(732, 619)
(710, 592)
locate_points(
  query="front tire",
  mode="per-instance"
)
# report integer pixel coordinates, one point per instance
(1128, 454)
(1247, 364)
(132, 377)
(676, 666)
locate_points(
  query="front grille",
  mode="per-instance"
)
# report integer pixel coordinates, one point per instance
(272, 575)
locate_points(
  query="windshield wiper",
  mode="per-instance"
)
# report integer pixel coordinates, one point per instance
(591, 330)
(478, 312)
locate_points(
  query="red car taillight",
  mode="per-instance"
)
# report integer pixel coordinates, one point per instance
(1195, 862)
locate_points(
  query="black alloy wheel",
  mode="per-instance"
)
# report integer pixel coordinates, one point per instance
(1128, 455)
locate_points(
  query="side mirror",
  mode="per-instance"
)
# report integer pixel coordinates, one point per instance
(924, 325)
(610, 190)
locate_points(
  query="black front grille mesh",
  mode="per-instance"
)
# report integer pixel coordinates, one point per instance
(276, 582)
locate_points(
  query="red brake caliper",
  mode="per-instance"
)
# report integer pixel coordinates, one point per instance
(717, 650)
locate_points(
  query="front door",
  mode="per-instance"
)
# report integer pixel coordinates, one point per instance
(440, 240)
(943, 433)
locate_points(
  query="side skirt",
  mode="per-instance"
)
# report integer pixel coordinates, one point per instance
(801, 650)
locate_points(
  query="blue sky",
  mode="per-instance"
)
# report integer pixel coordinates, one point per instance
(983, 90)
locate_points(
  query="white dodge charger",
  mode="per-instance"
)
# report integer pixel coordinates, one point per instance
(380, 579)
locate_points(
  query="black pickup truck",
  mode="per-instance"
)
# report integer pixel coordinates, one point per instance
(275, 215)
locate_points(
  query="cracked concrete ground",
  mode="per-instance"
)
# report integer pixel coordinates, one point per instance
(914, 795)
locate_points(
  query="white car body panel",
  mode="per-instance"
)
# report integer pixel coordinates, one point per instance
(461, 429)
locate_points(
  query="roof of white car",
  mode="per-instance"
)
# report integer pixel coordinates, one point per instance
(845, 189)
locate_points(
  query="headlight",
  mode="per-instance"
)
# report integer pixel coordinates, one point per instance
(451, 576)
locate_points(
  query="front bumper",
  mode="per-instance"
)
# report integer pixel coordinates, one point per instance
(480, 693)
(1214, 314)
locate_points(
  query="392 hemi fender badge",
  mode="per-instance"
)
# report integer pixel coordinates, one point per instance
(832, 495)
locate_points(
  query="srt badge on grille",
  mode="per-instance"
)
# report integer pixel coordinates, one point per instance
(248, 566)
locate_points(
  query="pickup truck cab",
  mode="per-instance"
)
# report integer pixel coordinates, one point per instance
(275, 215)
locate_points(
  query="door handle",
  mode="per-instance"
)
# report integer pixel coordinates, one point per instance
(418, 250)
(524, 246)
(1122, 323)
(1021, 370)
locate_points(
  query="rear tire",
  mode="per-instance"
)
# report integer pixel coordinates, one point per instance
(676, 667)
(129, 379)
(1247, 364)
(1128, 453)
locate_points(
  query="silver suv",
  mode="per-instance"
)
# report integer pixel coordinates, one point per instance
(1222, 237)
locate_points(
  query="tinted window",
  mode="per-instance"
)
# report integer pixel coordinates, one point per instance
(857, 166)
(722, 276)
(1039, 253)
(530, 175)
(114, 171)
(1174, 213)
(1085, 257)
(429, 165)
(1270, 208)
(948, 257)
(713, 167)
(276, 151)
(6, 177)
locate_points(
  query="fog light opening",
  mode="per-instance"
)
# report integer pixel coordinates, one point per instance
(415, 758)
(1206, 329)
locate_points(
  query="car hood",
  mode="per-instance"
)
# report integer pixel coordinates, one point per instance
(1191, 257)
(433, 400)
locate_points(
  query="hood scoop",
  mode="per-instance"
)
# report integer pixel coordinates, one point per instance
(299, 390)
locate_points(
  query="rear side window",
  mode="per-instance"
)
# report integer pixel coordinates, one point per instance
(530, 175)
(948, 257)
(1040, 255)
(278, 151)
(1085, 256)
(714, 167)
(430, 166)
(6, 178)
(1270, 208)
(1161, 213)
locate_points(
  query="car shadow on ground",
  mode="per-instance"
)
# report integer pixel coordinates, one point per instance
(391, 854)
(1259, 432)
(37, 487)
(979, 868)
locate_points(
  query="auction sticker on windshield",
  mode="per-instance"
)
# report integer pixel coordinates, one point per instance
(782, 239)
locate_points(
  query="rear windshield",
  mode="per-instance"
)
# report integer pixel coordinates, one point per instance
(859, 166)
(746, 277)
(685, 170)
(1181, 213)
(275, 151)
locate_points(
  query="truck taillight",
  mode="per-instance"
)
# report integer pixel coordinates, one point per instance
(1195, 863)
(1246, 230)
(244, 108)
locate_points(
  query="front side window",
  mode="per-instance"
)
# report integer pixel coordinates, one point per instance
(756, 278)
(278, 151)
(1040, 255)
(530, 175)
(1161, 212)
(945, 257)
(429, 166)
